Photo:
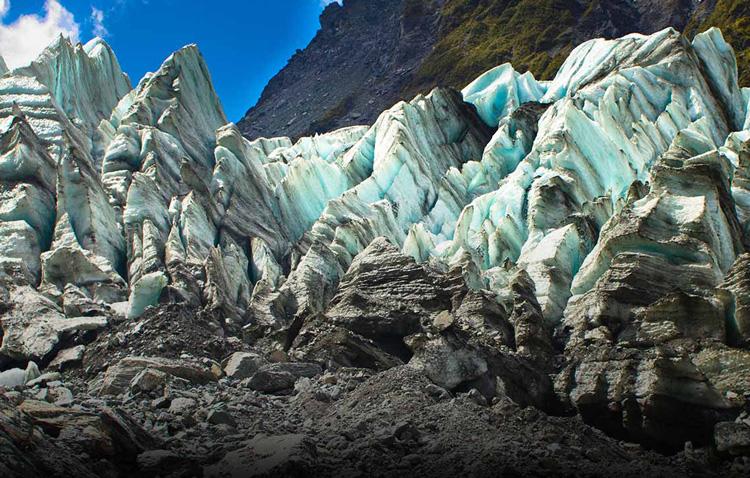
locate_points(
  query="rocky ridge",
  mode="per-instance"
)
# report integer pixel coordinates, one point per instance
(551, 274)
(410, 46)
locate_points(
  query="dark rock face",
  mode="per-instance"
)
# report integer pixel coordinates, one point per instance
(391, 310)
(385, 295)
(40, 439)
(643, 339)
(356, 67)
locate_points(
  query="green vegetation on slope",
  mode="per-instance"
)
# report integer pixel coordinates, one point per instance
(733, 17)
(477, 35)
(537, 36)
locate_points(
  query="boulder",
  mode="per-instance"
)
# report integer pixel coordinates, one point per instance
(28, 451)
(44, 379)
(241, 365)
(118, 377)
(732, 438)
(385, 294)
(182, 406)
(277, 377)
(446, 362)
(34, 326)
(333, 346)
(68, 357)
(17, 377)
(60, 396)
(149, 380)
(106, 433)
(221, 417)
(265, 456)
(77, 303)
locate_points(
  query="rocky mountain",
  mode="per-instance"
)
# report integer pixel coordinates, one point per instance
(355, 68)
(404, 47)
(527, 277)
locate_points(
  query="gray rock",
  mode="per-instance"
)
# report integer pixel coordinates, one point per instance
(385, 294)
(241, 365)
(104, 433)
(45, 378)
(77, 303)
(34, 326)
(732, 438)
(281, 455)
(17, 377)
(447, 364)
(437, 392)
(321, 341)
(221, 417)
(68, 357)
(149, 380)
(118, 377)
(61, 396)
(443, 320)
(161, 403)
(42, 395)
(475, 396)
(182, 406)
(12, 378)
(278, 377)
(27, 451)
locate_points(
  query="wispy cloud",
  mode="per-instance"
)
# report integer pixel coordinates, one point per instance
(22, 40)
(97, 20)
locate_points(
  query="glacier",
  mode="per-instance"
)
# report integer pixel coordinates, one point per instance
(607, 203)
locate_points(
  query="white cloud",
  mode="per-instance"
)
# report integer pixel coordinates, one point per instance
(323, 3)
(22, 40)
(97, 20)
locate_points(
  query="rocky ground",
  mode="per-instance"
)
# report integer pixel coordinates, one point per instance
(174, 394)
(353, 422)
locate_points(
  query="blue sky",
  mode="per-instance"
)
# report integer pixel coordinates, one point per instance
(245, 42)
